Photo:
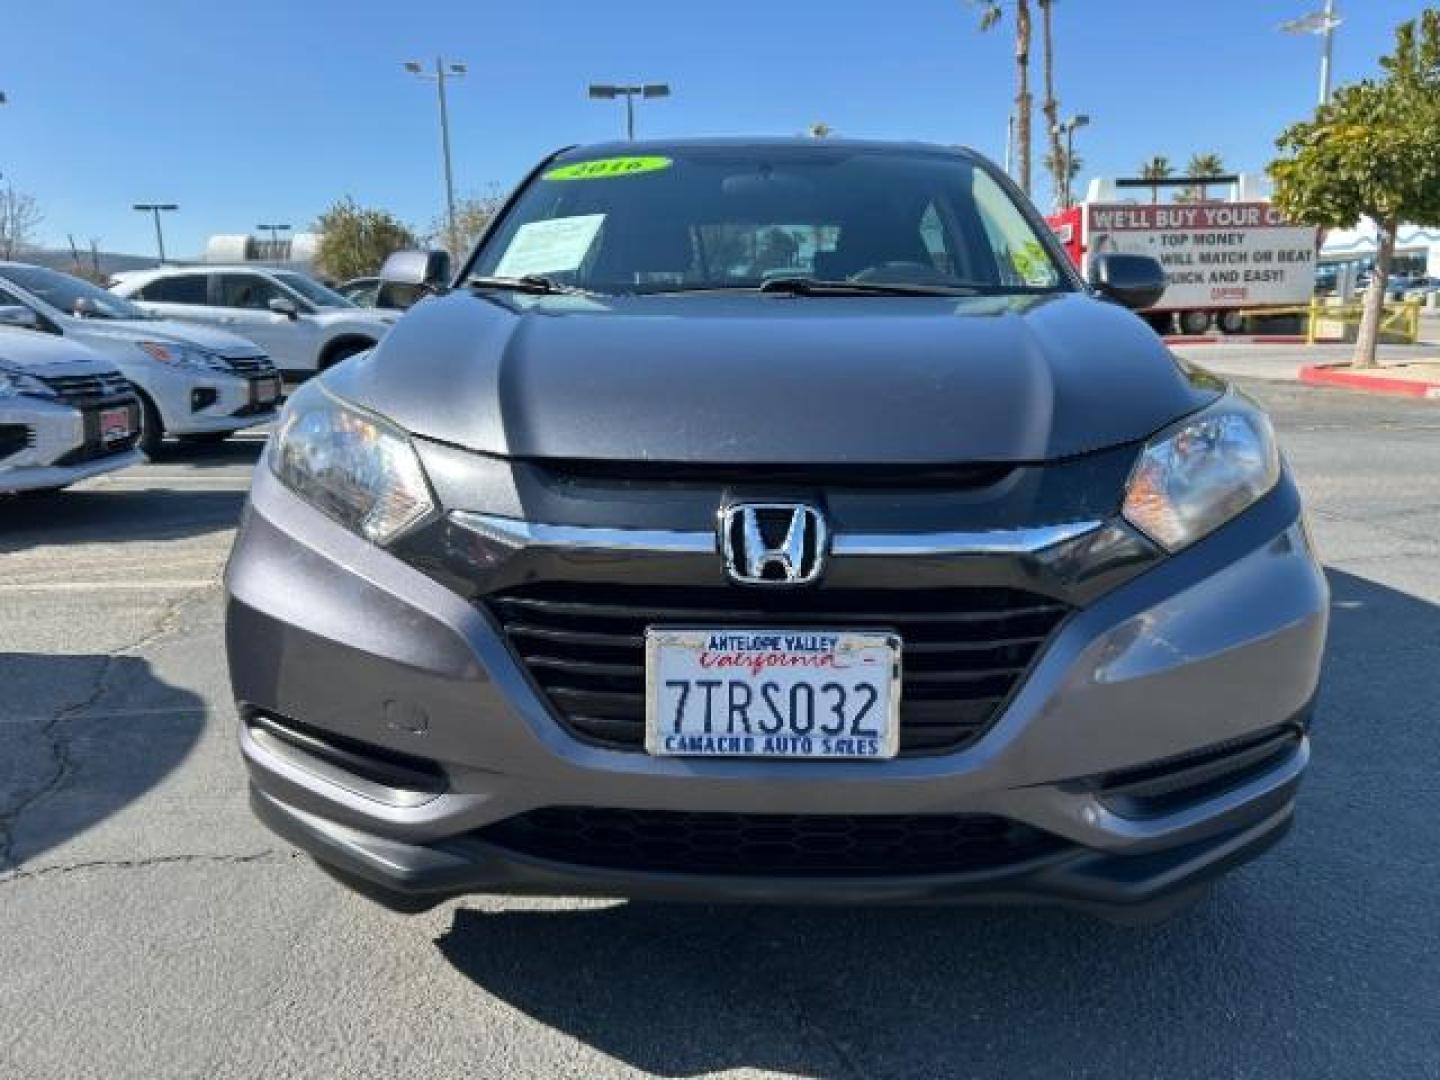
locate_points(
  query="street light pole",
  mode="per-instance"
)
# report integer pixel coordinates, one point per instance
(1329, 35)
(1067, 128)
(442, 72)
(1324, 23)
(610, 91)
(274, 231)
(156, 209)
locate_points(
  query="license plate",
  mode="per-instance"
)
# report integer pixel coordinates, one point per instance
(267, 391)
(115, 425)
(772, 693)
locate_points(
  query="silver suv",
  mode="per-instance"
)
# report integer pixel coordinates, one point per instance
(304, 326)
(776, 521)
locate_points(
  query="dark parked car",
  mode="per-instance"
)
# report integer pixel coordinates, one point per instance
(776, 521)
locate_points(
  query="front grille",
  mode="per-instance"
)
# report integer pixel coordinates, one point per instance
(250, 365)
(964, 651)
(666, 841)
(14, 438)
(83, 389)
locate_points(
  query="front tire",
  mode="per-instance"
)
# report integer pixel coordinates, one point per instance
(342, 351)
(152, 428)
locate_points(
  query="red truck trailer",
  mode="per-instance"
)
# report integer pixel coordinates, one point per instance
(1221, 258)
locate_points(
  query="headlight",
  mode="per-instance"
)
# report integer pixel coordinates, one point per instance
(14, 382)
(186, 356)
(1199, 474)
(352, 465)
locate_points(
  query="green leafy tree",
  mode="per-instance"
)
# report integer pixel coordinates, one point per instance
(819, 130)
(1156, 169)
(355, 240)
(991, 14)
(1373, 151)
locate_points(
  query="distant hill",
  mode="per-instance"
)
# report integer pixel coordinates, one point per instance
(110, 262)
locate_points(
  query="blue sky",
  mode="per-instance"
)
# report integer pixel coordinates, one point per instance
(267, 110)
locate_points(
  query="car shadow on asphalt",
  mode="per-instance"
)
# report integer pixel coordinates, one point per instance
(117, 516)
(81, 738)
(1325, 925)
(233, 451)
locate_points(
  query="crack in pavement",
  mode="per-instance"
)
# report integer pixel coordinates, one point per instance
(164, 623)
(269, 856)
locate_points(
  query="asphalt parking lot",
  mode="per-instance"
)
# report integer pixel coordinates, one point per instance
(150, 928)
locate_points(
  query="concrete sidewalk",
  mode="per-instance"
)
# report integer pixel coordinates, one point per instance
(1282, 363)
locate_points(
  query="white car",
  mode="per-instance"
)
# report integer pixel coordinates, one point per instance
(65, 414)
(193, 382)
(303, 325)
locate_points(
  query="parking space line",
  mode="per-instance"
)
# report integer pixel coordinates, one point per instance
(107, 586)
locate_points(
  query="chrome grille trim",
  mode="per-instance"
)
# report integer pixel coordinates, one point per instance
(516, 533)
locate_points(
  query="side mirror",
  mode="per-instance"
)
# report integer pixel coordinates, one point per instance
(20, 317)
(409, 276)
(1135, 281)
(85, 307)
(283, 305)
(428, 268)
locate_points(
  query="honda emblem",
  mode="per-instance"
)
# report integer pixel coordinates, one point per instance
(773, 543)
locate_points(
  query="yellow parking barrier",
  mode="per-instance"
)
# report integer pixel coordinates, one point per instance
(1399, 323)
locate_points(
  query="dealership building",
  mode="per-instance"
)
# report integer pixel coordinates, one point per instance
(1417, 250)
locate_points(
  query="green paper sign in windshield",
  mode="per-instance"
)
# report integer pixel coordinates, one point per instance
(602, 168)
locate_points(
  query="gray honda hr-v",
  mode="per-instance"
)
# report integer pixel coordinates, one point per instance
(776, 521)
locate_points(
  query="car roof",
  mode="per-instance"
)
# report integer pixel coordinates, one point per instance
(641, 147)
(211, 268)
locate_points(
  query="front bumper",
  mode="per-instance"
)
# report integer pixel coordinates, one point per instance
(1216, 644)
(57, 436)
(203, 402)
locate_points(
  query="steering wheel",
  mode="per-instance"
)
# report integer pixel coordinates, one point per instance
(903, 271)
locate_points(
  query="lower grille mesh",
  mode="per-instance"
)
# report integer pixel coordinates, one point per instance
(964, 650)
(795, 844)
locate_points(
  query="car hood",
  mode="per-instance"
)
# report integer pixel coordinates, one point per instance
(774, 379)
(169, 330)
(46, 354)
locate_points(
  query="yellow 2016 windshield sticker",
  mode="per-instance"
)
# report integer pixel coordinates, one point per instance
(602, 168)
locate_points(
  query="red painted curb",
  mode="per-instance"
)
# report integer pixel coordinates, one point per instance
(1325, 375)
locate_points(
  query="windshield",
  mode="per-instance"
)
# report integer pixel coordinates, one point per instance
(61, 291)
(735, 217)
(313, 291)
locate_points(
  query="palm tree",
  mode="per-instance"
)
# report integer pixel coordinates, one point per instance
(1156, 169)
(991, 12)
(1051, 106)
(1201, 166)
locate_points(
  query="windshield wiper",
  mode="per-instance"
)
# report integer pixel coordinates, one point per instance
(807, 286)
(538, 284)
